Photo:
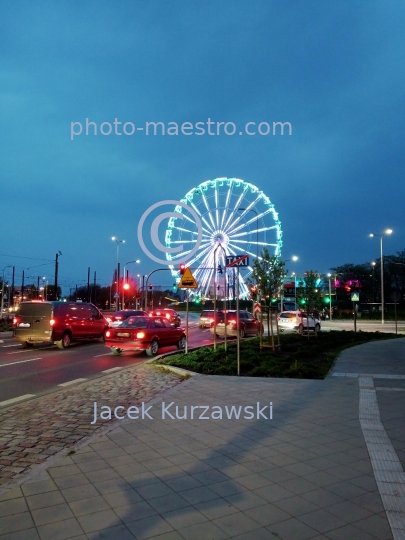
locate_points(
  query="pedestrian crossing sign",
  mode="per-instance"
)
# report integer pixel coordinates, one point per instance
(355, 297)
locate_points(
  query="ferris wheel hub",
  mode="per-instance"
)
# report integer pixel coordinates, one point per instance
(220, 237)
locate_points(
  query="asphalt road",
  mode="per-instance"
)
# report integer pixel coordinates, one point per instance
(43, 368)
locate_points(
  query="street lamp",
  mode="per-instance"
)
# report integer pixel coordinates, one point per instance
(293, 258)
(118, 242)
(2, 290)
(126, 285)
(385, 233)
(257, 228)
(373, 267)
(330, 297)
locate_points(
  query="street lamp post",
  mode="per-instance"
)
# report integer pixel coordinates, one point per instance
(373, 267)
(385, 233)
(118, 242)
(124, 281)
(330, 298)
(2, 290)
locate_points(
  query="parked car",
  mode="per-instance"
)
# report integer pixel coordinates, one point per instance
(119, 316)
(144, 334)
(58, 322)
(169, 314)
(248, 325)
(298, 321)
(207, 317)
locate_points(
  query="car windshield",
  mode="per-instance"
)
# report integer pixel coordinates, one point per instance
(287, 315)
(136, 322)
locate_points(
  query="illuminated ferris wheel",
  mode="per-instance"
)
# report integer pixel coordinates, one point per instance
(234, 214)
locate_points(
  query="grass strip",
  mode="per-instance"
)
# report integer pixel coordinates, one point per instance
(300, 357)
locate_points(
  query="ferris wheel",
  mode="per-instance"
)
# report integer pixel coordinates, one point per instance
(235, 215)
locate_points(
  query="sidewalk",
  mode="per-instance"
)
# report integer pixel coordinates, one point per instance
(305, 474)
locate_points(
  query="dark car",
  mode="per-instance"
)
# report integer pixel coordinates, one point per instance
(144, 334)
(116, 318)
(207, 318)
(169, 314)
(248, 325)
(58, 322)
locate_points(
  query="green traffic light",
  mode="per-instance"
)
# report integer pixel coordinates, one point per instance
(326, 299)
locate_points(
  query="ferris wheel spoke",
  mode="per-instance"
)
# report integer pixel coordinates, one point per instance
(208, 210)
(228, 195)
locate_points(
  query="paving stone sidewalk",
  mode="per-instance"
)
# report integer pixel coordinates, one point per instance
(32, 432)
(304, 474)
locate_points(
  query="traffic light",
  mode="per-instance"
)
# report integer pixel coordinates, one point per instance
(326, 299)
(219, 269)
(126, 286)
(150, 287)
(174, 286)
(182, 269)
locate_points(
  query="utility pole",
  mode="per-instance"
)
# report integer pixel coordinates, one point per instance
(56, 276)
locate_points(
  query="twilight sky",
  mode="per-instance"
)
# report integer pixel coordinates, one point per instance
(334, 70)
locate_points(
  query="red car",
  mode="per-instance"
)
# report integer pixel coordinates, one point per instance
(144, 334)
(169, 314)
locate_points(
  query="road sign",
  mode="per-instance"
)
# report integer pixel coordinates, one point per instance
(257, 308)
(355, 297)
(116, 295)
(187, 280)
(237, 260)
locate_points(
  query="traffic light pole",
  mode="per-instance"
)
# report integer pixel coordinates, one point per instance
(146, 284)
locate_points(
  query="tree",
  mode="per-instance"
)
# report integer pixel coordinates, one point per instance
(309, 294)
(267, 275)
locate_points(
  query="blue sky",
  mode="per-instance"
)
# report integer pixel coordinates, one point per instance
(334, 70)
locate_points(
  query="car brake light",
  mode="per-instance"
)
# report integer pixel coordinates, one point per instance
(109, 319)
(118, 318)
(232, 321)
(108, 333)
(52, 322)
(140, 335)
(150, 314)
(15, 320)
(211, 320)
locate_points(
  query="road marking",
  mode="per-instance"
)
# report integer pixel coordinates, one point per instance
(390, 388)
(72, 382)
(111, 370)
(28, 350)
(16, 399)
(374, 375)
(104, 354)
(14, 345)
(20, 362)
(387, 468)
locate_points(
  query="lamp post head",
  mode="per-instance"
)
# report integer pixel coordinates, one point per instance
(373, 263)
(371, 235)
(294, 258)
(388, 231)
(329, 275)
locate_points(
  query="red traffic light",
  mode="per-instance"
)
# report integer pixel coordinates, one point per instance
(182, 269)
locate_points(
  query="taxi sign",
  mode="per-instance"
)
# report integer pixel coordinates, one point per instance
(355, 297)
(187, 280)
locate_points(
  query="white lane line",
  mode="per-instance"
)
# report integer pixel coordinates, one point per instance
(390, 388)
(104, 354)
(373, 375)
(20, 362)
(14, 345)
(16, 399)
(72, 382)
(111, 370)
(387, 468)
(28, 350)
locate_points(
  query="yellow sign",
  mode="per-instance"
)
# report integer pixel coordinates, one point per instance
(187, 280)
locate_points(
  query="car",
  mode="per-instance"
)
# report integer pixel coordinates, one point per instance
(169, 314)
(57, 322)
(119, 316)
(248, 325)
(207, 317)
(298, 321)
(148, 334)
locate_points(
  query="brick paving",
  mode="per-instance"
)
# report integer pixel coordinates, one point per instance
(32, 432)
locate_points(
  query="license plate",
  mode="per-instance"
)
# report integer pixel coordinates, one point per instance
(24, 325)
(121, 334)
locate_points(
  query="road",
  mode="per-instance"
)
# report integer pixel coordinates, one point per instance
(45, 368)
